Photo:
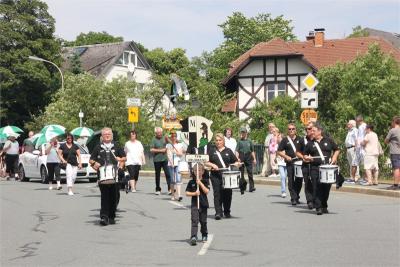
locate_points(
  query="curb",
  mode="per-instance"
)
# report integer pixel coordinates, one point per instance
(346, 189)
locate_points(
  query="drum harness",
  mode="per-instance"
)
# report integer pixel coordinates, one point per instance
(293, 146)
(107, 159)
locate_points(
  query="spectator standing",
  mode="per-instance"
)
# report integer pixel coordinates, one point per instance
(282, 170)
(134, 159)
(11, 148)
(53, 163)
(175, 153)
(372, 150)
(273, 148)
(267, 170)
(230, 142)
(350, 143)
(70, 154)
(393, 139)
(28, 145)
(159, 150)
(245, 153)
(360, 138)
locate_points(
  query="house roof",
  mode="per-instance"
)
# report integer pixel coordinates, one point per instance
(97, 59)
(332, 51)
(391, 37)
(230, 105)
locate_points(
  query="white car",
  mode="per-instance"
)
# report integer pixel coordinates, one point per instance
(33, 166)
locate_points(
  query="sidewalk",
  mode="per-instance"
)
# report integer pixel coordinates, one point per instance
(378, 190)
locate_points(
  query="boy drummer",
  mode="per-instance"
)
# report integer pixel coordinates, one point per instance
(198, 190)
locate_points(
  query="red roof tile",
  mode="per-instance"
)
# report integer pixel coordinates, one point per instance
(230, 105)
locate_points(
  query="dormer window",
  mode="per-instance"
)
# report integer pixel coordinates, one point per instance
(126, 58)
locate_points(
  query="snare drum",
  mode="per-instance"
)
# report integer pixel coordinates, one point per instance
(297, 169)
(328, 173)
(107, 172)
(230, 179)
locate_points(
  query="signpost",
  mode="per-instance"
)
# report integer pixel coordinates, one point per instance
(308, 115)
(310, 81)
(133, 105)
(309, 99)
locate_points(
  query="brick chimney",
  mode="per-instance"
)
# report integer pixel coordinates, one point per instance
(319, 37)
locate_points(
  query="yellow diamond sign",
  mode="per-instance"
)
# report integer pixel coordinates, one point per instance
(310, 81)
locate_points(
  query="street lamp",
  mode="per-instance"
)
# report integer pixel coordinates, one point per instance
(80, 118)
(44, 60)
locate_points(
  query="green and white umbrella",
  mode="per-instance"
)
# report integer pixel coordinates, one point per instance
(44, 138)
(82, 132)
(54, 128)
(10, 130)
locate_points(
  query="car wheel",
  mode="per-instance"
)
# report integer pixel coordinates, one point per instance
(92, 180)
(43, 174)
(22, 174)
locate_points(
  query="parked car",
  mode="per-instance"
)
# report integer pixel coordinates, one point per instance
(32, 165)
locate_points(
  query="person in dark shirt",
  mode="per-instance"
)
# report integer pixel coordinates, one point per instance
(198, 190)
(287, 150)
(330, 153)
(222, 196)
(245, 152)
(308, 185)
(107, 155)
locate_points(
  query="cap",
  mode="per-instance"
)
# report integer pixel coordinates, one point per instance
(243, 130)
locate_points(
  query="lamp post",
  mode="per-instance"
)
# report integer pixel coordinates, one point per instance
(80, 118)
(44, 60)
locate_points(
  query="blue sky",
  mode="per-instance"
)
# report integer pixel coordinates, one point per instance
(193, 24)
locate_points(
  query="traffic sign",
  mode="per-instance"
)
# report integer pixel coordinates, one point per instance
(309, 99)
(196, 158)
(133, 114)
(133, 102)
(308, 115)
(310, 81)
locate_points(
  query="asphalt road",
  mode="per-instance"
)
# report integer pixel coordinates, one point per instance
(49, 228)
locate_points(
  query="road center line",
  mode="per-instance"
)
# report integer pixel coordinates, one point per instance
(177, 204)
(206, 245)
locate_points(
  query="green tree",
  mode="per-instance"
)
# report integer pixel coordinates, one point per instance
(76, 65)
(102, 102)
(26, 28)
(358, 31)
(94, 38)
(241, 34)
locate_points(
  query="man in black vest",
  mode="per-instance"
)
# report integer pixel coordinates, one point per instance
(287, 150)
(104, 159)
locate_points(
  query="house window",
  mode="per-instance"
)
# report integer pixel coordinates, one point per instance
(275, 90)
(126, 58)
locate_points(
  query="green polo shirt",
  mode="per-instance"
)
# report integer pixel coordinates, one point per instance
(159, 143)
(244, 146)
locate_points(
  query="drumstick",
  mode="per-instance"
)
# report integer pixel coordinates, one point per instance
(198, 189)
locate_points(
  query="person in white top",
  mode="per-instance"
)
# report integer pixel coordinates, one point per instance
(11, 148)
(267, 169)
(230, 142)
(134, 159)
(53, 163)
(360, 138)
(350, 143)
(372, 149)
(175, 154)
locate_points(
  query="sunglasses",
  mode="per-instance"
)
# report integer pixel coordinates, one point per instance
(309, 128)
(291, 129)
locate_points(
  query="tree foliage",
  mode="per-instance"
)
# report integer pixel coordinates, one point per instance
(76, 65)
(358, 31)
(94, 38)
(26, 28)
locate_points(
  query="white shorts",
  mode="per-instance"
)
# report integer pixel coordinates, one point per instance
(371, 162)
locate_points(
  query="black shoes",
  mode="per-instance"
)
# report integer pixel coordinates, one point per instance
(310, 205)
(111, 221)
(325, 210)
(294, 203)
(204, 239)
(252, 190)
(193, 241)
(104, 221)
(298, 201)
(227, 215)
(319, 211)
(180, 199)
(217, 217)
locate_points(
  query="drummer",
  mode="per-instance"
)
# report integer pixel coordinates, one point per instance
(312, 153)
(221, 157)
(287, 150)
(104, 154)
(308, 185)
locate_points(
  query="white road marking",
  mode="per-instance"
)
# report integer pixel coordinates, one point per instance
(177, 204)
(206, 245)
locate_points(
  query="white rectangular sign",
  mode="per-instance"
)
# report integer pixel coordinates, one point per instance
(133, 102)
(309, 99)
(196, 158)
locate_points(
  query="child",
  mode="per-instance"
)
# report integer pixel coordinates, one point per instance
(198, 212)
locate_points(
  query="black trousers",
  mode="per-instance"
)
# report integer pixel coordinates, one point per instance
(294, 183)
(53, 169)
(249, 168)
(199, 215)
(164, 166)
(321, 193)
(222, 197)
(12, 164)
(108, 200)
(308, 184)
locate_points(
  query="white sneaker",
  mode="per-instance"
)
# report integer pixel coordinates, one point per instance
(283, 195)
(133, 190)
(50, 188)
(158, 192)
(70, 193)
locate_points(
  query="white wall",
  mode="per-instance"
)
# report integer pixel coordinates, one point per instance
(139, 75)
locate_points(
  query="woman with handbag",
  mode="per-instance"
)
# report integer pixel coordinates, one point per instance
(53, 163)
(70, 157)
